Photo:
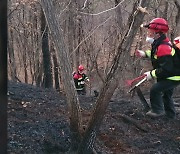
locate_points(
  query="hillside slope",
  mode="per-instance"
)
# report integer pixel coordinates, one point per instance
(38, 123)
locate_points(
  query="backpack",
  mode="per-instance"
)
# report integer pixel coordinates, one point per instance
(176, 56)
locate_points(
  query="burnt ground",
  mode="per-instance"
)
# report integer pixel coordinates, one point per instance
(38, 123)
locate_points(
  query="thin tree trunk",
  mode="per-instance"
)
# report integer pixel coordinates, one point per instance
(24, 40)
(119, 17)
(111, 82)
(48, 83)
(178, 7)
(12, 63)
(175, 26)
(71, 34)
(64, 60)
(56, 68)
(165, 12)
(78, 34)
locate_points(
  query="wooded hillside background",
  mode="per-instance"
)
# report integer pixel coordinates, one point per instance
(47, 40)
(92, 30)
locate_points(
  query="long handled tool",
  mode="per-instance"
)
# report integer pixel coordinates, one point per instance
(130, 82)
(140, 94)
(136, 85)
(142, 99)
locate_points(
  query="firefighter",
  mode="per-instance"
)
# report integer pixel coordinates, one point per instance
(80, 80)
(161, 55)
(176, 43)
(176, 46)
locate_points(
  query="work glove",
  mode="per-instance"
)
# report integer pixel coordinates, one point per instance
(148, 75)
(140, 53)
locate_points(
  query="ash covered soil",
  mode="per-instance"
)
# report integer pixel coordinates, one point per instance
(38, 123)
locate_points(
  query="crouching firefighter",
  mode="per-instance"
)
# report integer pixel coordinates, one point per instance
(165, 71)
(80, 80)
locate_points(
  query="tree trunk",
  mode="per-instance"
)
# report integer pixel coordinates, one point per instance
(56, 68)
(175, 26)
(70, 30)
(24, 53)
(119, 17)
(165, 12)
(48, 83)
(12, 63)
(111, 81)
(66, 72)
(109, 86)
(178, 7)
(102, 102)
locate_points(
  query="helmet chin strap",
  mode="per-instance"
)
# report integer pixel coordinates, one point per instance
(158, 35)
(80, 72)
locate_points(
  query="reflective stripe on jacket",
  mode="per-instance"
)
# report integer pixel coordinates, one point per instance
(162, 60)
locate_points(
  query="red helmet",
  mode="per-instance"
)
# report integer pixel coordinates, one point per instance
(81, 68)
(177, 42)
(158, 25)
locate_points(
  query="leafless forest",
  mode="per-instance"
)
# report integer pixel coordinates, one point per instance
(47, 40)
(92, 32)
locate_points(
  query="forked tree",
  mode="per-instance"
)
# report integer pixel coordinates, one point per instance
(83, 144)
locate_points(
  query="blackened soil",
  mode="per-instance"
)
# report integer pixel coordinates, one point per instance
(38, 123)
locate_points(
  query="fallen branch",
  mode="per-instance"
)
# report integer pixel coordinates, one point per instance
(131, 121)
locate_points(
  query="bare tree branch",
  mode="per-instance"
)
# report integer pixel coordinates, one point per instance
(90, 34)
(85, 4)
(104, 10)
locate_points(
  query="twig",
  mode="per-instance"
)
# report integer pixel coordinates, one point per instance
(90, 34)
(13, 11)
(103, 11)
(65, 7)
(85, 4)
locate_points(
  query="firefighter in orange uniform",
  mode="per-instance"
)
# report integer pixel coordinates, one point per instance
(161, 55)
